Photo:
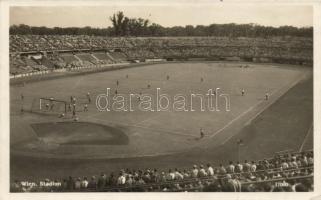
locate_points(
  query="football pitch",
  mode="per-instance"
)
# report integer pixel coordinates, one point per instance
(124, 136)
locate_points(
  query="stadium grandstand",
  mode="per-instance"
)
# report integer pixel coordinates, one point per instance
(63, 140)
(27, 51)
(285, 172)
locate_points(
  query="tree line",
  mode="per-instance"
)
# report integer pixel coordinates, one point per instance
(125, 26)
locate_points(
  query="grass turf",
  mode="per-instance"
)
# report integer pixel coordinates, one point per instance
(259, 134)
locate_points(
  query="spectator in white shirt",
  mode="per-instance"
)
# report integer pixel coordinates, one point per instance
(121, 179)
(202, 171)
(84, 183)
(253, 167)
(304, 161)
(178, 175)
(171, 175)
(194, 172)
(294, 164)
(210, 170)
(186, 174)
(230, 168)
(78, 184)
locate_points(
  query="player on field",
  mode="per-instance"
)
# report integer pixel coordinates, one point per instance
(88, 97)
(52, 106)
(74, 113)
(47, 106)
(117, 82)
(148, 86)
(243, 92)
(85, 108)
(139, 98)
(71, 99)
(126, 75)
(22, 97)
(201, 133)
(69, 107)
(167, 77)
(116, 92)
(267, 96)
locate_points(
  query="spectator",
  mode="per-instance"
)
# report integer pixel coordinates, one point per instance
(230, 168)
(210, 170)
(222, 170)
(70, 184)
(178, 175)
(16, 187)
(92, 183)
(84, 183)
(253, 167)
(202, 172)
(101, 183)
(186, 174)
(310, 160)
(238, 167)
(170, 175)
(78, 184)
(111, 180)
(163, 177)
(194, 172)
(284, 165)
(246, 166)
(121, 179)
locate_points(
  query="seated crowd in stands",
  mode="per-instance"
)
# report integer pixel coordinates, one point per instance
(139, 48)
(25, 43)
(287, 172)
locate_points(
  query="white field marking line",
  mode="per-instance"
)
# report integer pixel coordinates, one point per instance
(305, 137)
(145, 120)
(236, 118)
(286, 88)
(143, 127)
(233, 120)
(267, 105)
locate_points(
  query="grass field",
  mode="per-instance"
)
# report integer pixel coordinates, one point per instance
(163, 139)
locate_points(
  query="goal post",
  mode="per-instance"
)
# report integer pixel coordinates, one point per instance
(52, 104)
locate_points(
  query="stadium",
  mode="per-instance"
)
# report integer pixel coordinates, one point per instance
(259, 133)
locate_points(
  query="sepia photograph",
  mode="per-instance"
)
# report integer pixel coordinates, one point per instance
(169, 97)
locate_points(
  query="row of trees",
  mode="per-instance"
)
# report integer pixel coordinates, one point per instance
(125, 26)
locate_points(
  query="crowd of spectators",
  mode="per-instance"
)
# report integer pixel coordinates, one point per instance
(274, 49)
(25, 43)
(285, 172)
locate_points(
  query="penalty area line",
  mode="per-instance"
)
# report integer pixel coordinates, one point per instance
(278, 93)
(306, 137)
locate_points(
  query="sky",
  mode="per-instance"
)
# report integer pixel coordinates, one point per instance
(165, 15)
